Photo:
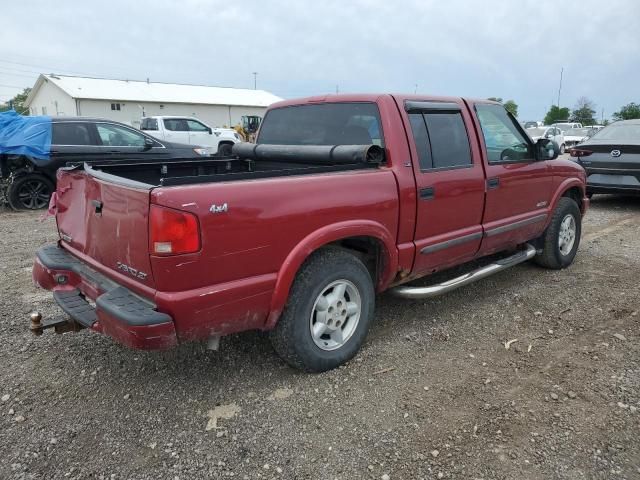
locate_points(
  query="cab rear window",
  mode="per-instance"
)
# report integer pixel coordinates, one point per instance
(323, 124)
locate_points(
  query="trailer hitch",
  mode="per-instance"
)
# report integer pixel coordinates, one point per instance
(60, 325)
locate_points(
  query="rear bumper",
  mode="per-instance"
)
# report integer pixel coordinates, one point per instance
(118, 312)
(622, 182)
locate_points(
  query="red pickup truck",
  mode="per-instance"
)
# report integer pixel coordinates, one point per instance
(340, 198)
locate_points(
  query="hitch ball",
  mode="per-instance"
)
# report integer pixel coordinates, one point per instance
(36, 322)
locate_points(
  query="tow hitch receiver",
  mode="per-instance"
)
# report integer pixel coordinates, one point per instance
(60, 325)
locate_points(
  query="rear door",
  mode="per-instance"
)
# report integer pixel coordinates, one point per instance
(518, 186)
(450, 183)
(72, 141)
(176, 130)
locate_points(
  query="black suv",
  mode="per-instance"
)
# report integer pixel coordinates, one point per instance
(29, 186)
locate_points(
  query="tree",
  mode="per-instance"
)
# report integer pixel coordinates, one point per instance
(556, 114)
(17, 103)
(584, 112)
(510, 105)
(628, 112)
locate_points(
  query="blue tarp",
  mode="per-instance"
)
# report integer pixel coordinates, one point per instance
(30, 136)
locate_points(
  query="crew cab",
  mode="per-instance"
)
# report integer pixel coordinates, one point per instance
(31, 183)
(192, 131)
(342, 197)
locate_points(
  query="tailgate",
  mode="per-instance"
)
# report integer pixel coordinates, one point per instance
(106, 221)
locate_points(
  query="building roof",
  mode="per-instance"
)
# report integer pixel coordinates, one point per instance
(141, 91)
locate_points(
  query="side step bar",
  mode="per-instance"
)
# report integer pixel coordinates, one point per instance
(434, 290)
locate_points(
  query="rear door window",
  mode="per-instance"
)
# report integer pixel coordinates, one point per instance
(176, 124)
(441, 140)
(71, 133)
(323, 124)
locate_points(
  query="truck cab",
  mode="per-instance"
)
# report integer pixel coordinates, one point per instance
(191, 131)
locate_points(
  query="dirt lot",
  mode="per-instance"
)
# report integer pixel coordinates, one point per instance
(433, 394)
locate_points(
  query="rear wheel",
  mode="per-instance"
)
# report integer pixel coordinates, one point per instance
(328, 313)
(30, 192)
(562, 149)
(562, 237)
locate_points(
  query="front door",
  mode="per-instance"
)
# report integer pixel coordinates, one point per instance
(450, 183)
(518, 186)
(201, 135)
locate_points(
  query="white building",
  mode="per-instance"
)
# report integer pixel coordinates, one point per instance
(128, 100)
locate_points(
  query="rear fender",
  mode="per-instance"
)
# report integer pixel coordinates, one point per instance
(325, 236)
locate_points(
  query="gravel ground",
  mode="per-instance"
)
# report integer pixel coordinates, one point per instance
(433, 394)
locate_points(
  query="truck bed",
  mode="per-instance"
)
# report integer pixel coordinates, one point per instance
(209, 170)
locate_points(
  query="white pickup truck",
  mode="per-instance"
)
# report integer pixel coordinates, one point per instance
(191, 131)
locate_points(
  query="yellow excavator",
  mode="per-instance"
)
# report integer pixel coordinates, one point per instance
(248, 127)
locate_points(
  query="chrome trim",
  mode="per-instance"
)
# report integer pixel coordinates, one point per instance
(436, 247)
(515, 225)
(434, 290)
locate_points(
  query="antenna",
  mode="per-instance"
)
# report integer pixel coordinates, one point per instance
(560, 87)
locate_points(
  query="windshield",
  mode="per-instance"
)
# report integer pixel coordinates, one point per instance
(536, 132)
(624, 132)
(323, 124)
(577, 132)
(530, 124)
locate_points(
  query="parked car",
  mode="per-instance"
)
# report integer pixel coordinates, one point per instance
(80, 139)
(339, 199)
(564, 126)
(532, 124)
(574, 136)
(550, 133)
(611, 158)
(191, 131)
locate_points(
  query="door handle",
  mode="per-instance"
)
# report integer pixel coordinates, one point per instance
(427, 193)
(493, 183)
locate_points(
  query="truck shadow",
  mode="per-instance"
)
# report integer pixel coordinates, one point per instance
(625, 202)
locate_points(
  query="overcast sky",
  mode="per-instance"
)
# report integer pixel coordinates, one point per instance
(503, 48)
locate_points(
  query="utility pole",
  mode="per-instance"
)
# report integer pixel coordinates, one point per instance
(560, 87)
(255, 80)
(337, 89)
(602, 121)
(415, 90)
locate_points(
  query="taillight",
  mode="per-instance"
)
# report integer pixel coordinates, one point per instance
(577, 152)
(172, 232)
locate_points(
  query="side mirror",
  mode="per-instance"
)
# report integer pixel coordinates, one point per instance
(547, 149)
(148, 143)
(209, 130)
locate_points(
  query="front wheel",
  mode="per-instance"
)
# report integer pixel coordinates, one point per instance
(30, 192)
(328, 313)
(225, 149)
(562, 237)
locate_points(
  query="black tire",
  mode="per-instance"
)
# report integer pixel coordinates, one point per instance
(292, 338)
(552, 255)
(30, 192)
(562, 149)
(225, 149)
